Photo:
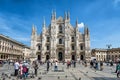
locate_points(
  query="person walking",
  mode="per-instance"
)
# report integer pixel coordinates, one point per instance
(101, 65)
(48, 65)
(16, 68)
(21, 70)
(68, 64)
(56, 66)
(74, 63)
(35, 66)
(25, 71)
(118, 69)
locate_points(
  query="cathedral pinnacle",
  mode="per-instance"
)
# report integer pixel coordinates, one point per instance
(76, 23)
(33, 29)
(65, 16)
(68, 15)
(44, 22)
(86, 30)
(53, 17)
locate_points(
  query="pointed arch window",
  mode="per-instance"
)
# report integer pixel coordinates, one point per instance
(60, 41)
(60, 29)
(72, 39)
(73, 48)
(47, 47)
(81, 47)
(48, 39)
(39, 47)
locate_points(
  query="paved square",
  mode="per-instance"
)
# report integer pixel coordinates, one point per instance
(78, 73)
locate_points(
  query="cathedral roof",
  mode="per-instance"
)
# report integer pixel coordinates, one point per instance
(60, 19)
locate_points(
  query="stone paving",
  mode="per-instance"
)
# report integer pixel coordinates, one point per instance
(78, 73)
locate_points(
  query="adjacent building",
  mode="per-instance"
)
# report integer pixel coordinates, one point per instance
(10, 49)
(106, 54)
(60, 40)
(100, 54)
(26, 53)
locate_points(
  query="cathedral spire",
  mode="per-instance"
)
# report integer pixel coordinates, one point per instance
(44, 25)
(86, 30)
(53, 17)
(68, 15)
(76, 23)
(65, 16)
(33, 29)
(54, 14)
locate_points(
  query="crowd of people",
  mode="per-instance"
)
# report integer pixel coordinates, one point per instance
(96, 65)
(22, 68)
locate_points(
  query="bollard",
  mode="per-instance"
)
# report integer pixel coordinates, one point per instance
(79, 78)
(58, 77)
(9, 77)
(39, 78)
(66, 76)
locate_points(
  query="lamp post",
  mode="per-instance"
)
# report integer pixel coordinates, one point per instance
(108, 47)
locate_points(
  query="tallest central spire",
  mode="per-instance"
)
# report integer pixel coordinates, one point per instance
(53, 15)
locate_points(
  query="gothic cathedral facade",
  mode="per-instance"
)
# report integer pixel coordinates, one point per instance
(60, 40)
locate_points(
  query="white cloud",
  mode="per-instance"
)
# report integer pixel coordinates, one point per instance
(23, 39)
(116, 3)
(81, 25)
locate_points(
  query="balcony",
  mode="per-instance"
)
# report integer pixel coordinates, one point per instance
(60, 34)
(73, 51)
(47, 43)
(38, 50)
(60, 45)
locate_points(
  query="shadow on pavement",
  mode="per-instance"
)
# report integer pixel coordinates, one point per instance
(105, 78)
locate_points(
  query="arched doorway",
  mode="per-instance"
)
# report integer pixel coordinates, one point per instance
(73, 57)
(39, 57)
(60, 56)
(82, 57)
(47, 57)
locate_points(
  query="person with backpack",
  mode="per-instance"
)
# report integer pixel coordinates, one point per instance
(25, 71)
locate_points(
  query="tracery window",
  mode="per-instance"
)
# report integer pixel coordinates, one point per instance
(60, 29)
(60, 41)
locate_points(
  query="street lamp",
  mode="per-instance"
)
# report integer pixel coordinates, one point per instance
(108, 47)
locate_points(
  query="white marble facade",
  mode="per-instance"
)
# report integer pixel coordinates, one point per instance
(60, 40)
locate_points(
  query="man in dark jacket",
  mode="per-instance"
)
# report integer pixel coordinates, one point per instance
(48, 65)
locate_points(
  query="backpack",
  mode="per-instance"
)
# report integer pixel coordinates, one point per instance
(24, 69)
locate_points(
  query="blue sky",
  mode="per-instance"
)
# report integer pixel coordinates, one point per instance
(101, 16)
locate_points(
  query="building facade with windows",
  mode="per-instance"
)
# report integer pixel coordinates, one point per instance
(10, 49)
(112, 54)
(100, 54)
(26, 53)
(60, 40)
